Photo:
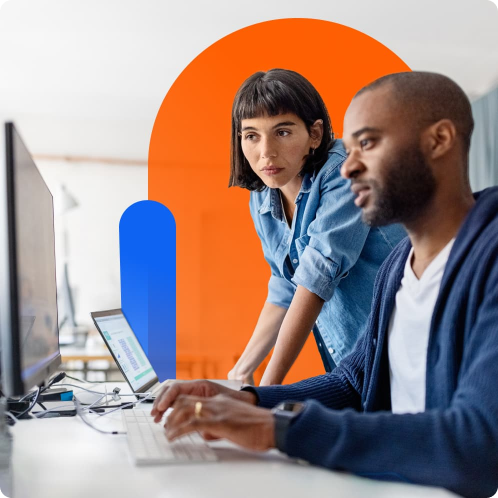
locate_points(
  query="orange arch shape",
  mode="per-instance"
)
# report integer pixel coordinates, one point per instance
(221, 274)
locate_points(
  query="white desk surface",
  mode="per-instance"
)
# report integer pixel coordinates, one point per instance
(63, 457)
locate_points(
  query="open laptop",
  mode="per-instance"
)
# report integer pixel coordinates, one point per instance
(127, 352)
(146, 440)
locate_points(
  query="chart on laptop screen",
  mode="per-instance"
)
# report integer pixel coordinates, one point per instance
(126, 350)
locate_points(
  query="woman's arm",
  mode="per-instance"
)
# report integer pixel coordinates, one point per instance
(262, 340)
(295, 329)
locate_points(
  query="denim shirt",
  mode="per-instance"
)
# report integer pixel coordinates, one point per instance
(328, 250)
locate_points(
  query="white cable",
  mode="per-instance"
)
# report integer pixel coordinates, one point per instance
(137, 402)
(80, 413)
(83, 389)
(96, 403)
(95, 392)
(11, 416)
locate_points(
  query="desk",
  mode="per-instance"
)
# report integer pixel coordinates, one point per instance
(65, 458)
(89, 353)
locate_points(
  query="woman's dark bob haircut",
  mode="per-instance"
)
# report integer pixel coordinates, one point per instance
(278, 91)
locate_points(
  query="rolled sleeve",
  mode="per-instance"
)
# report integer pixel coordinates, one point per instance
(317, 273)
(280, 291)
(335, 237)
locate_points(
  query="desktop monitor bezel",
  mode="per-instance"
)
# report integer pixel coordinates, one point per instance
(13, 383)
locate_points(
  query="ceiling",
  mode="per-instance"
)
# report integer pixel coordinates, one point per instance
(87, 78)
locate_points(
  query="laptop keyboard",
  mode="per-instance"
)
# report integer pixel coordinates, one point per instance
(148, 444)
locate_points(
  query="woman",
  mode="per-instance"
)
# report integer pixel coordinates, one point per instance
(323, 258)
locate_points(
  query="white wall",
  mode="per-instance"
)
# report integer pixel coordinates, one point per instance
(103, 192)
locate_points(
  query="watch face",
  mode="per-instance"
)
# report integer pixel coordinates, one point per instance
(293, 407)
(290, 406)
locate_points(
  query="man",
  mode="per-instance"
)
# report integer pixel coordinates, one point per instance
(416, 400)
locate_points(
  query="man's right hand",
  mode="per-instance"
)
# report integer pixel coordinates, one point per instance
(203, 388)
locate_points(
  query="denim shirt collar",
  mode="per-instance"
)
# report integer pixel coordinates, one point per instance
(272, 202)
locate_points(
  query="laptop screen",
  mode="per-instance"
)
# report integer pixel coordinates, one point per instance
(126, 349)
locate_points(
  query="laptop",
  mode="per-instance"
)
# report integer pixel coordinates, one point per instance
(127, 352)
(146, 440)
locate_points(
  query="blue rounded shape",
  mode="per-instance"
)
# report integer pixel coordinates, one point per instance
(147, 239)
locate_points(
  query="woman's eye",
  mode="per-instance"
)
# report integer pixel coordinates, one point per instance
(249, 136)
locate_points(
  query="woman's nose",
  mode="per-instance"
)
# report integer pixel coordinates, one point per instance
(268, 148)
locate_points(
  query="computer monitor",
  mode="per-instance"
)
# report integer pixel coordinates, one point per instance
(29, 335)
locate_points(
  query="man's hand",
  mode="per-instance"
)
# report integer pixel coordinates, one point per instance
(222, 416)
(201, 388)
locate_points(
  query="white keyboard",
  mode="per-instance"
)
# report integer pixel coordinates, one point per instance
(148, 444)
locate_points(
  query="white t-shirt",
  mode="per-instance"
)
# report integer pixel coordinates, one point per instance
(408, 334)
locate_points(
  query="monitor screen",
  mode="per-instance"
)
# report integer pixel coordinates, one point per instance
(126, 349)
(30, 336)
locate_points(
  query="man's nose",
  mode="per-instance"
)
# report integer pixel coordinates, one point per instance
(352, 166)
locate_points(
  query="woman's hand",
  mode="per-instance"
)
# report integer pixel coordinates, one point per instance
(246, 378)
(262, 340)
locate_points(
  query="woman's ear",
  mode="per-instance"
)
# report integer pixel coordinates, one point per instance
(316, 133)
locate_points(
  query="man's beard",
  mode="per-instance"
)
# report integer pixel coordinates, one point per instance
(407, 189)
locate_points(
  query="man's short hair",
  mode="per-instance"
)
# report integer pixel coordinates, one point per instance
(428, 98)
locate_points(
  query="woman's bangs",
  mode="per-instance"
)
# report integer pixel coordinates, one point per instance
(261, 103)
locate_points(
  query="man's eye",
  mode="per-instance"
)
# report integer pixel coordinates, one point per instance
(283, 133)
(366, 142)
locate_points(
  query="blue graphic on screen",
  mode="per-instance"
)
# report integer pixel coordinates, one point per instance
(147, 239)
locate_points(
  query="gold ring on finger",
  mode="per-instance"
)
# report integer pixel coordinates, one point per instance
(198, 409)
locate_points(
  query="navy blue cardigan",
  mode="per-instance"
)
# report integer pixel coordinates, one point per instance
(347, 423)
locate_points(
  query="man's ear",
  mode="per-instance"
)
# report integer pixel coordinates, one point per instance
(316, 133)
(440, 138)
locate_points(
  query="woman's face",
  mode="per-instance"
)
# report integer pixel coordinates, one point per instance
(276, 147)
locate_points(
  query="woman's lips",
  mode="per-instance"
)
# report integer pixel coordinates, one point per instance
(272, 171)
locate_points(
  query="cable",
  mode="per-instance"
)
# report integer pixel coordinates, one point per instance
(80, 413)
(12, 417)
(96, 403)
(53, 380)
(30, 407)
(94, 392)
(137, 402)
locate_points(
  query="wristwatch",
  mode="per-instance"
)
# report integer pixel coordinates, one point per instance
(285, 415)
